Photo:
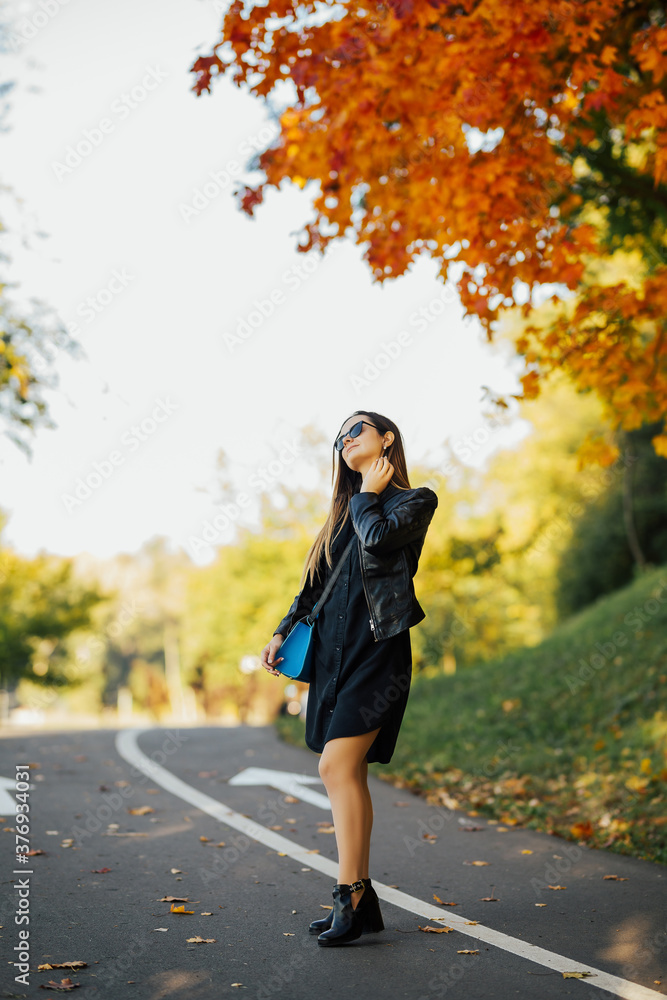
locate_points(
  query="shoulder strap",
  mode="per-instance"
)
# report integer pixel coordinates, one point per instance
(325, 593)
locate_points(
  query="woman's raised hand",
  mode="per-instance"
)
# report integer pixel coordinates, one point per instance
(378, 476)
(268, 656)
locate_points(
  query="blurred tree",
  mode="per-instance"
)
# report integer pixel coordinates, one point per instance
(41, 604)
(623, 531)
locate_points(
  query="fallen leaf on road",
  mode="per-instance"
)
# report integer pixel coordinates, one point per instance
(64, 984)
(616, 878)
(175, 871)
(540, 904)
(436, 930)
(471, 829)
(576, 975)
(526, 852)
(204, 913)
(99, 871)
(205, 840)
(478, 863)
(278, 827)
(174, 899)
(38, 850)
(179, 909)
(207, 774)
(430, 836)
(438, 900)
(472, 921)
(141, 810)
(466, 951)
(221, 844)
(556, 887)
(200, 940)
(61, 965)
(287, 798)
(287, 934)
(326, 829)
(282, 854)
(489, 899)
(160, 928)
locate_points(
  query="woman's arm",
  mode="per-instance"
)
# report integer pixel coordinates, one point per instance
(406, 523)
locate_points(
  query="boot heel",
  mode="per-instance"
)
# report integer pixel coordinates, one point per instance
(347, 921)
(369, 910)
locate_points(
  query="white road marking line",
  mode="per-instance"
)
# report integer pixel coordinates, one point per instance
(128, 749)
(289, 782)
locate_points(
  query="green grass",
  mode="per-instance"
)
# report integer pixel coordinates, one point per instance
(534, 739)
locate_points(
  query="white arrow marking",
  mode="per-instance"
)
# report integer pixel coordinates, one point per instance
(7, 801)
(286, 781)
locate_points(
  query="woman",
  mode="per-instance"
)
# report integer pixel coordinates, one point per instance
(362, 661)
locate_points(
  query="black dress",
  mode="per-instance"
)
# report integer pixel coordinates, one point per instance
(357, 684)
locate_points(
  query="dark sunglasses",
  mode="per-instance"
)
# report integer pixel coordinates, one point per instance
(353, 433)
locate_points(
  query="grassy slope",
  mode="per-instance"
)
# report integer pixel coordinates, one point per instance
(536, 739)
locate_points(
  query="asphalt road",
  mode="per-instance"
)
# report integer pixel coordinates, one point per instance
(256, 895)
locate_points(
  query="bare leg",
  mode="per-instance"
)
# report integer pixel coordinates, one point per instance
(343, 769)
(369, 820)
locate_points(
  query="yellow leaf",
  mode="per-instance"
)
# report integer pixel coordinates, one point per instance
(435, 930)
(576, 975)
(180, 909)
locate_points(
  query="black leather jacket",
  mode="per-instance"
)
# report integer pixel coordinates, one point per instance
(391, 528)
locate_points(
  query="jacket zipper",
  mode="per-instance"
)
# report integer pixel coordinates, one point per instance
(363, 580)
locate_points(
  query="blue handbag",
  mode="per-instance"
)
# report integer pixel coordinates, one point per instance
(297, 647)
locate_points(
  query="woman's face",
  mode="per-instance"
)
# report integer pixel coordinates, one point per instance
(359, 452)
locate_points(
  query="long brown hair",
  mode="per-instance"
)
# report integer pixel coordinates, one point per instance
(348, 482)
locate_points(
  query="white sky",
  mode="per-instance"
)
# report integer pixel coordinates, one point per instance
(186, 287)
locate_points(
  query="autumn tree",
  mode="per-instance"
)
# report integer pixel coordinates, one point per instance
(516, 144)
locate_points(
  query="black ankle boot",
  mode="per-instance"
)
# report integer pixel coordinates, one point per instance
(347, 921)
(368, 907)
